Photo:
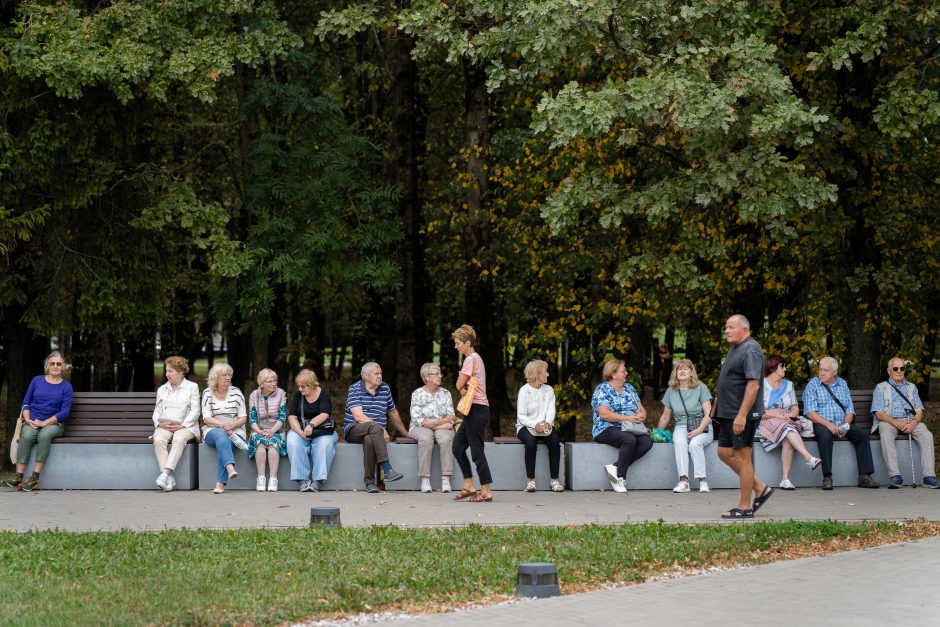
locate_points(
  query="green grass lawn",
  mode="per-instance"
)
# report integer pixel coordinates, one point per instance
(258, 576)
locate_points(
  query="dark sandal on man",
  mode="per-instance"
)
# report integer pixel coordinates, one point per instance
(479, 497)
(760, 500)
(736, 512)
(463, 494)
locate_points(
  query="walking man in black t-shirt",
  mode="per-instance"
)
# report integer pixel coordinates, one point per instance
(739, 409)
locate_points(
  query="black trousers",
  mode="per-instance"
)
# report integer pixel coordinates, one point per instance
(531, 442)
(470, 435)
(632, 447)
(856, 436)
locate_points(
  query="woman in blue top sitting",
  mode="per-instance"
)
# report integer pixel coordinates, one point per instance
(618, 422)
(46, 407)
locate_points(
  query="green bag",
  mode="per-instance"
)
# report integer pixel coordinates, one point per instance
(661, 435)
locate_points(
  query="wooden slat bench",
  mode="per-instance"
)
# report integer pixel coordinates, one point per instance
(844, 466)
(107, 446)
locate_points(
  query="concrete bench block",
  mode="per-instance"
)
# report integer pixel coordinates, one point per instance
(654, 471)
(79, 466)
(844, 466)
(345, 473)
(506, 461)
(404, 459)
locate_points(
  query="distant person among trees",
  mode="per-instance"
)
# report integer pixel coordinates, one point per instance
(738, 411)
(223, 416)
(535, 422)
(619, 422)
(472, 387)
(827, 401)
(689, 401)
(897, 406)
(45, 408)
(369, 408)
(311, 441)
(175, 419)
(780, 425)
(432, 420)
(267, 414)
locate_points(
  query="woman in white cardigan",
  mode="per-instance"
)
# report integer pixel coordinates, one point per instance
(535, 418)
(175, 419)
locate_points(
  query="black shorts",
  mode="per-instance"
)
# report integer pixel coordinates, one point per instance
(728, 439)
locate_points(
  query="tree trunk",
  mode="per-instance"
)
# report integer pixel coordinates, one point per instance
(25, 354)
(481, 306)
(408, 121)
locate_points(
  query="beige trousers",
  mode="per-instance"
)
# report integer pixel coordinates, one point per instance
(889, 450)
(426, 439)
(162, 441)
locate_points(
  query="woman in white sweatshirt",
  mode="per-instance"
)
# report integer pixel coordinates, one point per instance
(535, 418)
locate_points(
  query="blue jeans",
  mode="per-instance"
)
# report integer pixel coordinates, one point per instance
(315, 453)
(218, 439)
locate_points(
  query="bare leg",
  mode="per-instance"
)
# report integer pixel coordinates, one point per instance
(38, 466)
(261, 456)
(794, 440)
(786, 456)
(484, 489)
(274, 460)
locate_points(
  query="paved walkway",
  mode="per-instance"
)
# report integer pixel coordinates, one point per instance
(833, 590)
(830, 590)
(81, 510)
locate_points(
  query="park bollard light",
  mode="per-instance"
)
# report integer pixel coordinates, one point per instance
(328, 516)
(537, 579)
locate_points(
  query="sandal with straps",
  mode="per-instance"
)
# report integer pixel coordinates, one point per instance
(479, 497)
(464, 494)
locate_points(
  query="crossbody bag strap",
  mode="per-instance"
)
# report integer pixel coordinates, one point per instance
(906, 399)
(684, 408)
(834, 397)
(303, 421)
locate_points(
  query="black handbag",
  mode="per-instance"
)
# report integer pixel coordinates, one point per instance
(326, 428)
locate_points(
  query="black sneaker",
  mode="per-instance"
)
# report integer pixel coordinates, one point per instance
(393, 475)
(30, 484)
(371, 488)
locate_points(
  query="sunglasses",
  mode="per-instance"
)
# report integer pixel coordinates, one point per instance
(898, 368)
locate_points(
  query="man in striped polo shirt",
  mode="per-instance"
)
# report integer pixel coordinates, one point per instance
(369, 407)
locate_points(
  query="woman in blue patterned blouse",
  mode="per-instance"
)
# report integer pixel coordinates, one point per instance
(616, 404)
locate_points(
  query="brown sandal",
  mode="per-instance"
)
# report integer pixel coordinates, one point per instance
(464, 494)
(479, 497)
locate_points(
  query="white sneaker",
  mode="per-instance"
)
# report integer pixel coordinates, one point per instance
(556, 486)
(425, 485)
(272, 484)
(445, 484)
(162, 480)
(611, 471)
(260, 483)
(682, 486)
(703, 486)
(530, 486)
(786, 484)
(621, 486)
(238, 441)
(813, 462)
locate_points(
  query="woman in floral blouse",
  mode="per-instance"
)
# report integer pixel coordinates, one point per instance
(432, 420)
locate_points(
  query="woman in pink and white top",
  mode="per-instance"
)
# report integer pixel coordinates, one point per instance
(472, 380)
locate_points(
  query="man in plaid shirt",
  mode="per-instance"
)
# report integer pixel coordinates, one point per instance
(828, 403)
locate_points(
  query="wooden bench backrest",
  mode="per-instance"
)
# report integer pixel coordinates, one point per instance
(861, 400)
(110, 417)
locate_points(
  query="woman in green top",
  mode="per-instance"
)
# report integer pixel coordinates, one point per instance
(689, 401)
